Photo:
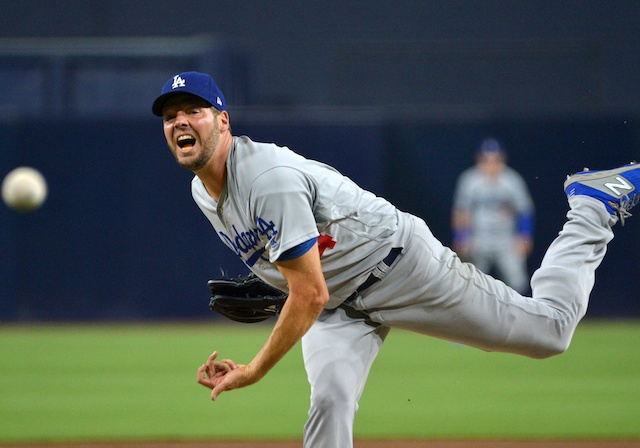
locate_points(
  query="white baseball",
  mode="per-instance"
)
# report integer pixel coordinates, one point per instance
(24, 189)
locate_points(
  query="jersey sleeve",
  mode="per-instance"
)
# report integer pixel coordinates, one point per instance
(462, 192)
(524, 206)
(282, 202)
(522, 197)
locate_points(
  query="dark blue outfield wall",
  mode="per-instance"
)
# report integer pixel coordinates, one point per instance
(120, 238)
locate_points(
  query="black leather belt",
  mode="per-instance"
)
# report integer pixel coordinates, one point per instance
(388, 260)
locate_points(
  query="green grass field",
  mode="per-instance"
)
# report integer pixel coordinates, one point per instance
(135, 382)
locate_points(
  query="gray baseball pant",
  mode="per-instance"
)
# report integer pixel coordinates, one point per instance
(430, 291)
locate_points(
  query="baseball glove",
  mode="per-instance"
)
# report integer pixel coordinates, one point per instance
(245, 299)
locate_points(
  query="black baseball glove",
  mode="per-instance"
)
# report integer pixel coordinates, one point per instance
(245, 299)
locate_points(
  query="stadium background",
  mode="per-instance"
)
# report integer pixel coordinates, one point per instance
(395, 94)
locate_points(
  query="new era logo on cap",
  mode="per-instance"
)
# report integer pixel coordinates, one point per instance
(195, 83)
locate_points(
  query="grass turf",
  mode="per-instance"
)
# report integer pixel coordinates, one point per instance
(137, 382)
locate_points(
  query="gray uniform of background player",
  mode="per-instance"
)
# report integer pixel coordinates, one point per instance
(275, 199)
(494, 206)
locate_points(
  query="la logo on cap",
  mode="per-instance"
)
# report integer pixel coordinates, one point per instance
(177, 82)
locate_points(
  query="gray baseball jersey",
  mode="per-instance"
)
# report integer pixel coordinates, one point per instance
(352, 225)
(494, 205)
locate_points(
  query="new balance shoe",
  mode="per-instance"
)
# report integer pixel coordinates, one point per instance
(618, 189)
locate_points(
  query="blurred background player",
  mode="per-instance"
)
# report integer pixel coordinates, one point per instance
(493, 216)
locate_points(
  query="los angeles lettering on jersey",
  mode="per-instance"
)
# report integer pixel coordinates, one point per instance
(249, 244)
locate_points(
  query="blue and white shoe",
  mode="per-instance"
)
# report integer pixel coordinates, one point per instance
(618, 189)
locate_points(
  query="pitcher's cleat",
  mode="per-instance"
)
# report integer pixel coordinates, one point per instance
(618, 189)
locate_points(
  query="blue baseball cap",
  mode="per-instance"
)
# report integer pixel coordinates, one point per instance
(198, 84)
(490, 146)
